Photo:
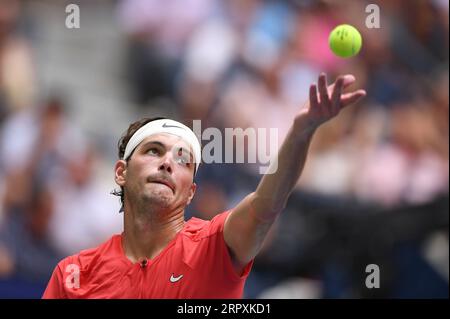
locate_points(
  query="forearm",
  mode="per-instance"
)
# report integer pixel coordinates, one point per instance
(274, 189)
(247, 226)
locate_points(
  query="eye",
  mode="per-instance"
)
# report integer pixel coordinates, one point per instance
(183, 161)
(183, 158)
(153, 151)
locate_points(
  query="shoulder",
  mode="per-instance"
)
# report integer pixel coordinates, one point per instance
(86, 266)
(197, 228)
(86, 257)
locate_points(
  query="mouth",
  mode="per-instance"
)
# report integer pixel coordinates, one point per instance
(164, 182)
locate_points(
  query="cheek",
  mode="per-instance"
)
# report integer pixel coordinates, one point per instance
(185, 186)
(141, 168)
(134, 176)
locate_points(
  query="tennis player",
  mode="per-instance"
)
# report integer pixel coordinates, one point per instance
(159, 254)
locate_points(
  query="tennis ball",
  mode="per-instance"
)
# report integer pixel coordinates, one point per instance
(345, 41)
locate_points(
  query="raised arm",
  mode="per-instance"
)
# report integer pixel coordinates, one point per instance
(249, 222)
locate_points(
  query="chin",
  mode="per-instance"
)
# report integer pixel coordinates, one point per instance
(162, 199)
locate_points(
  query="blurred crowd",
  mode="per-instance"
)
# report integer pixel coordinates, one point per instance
(375, 186)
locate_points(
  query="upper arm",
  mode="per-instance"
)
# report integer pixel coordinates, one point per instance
(244, 233)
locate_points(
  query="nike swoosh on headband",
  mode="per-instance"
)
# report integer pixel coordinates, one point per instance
(165, 126)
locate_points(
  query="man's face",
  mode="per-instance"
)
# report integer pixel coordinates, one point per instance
(159, 173)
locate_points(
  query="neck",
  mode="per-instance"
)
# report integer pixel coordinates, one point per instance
(147, 232)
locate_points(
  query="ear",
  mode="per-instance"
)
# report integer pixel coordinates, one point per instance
(191, 193)
(120, 170)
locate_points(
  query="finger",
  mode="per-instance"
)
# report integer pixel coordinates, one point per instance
(336, 95)
(349, 79)
(353, 97)
(313, 96)
(324, 99)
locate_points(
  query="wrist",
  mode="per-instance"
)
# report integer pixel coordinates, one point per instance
(304, 126)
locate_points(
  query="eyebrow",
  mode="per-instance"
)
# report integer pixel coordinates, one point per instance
(183, 149)
(152, 143)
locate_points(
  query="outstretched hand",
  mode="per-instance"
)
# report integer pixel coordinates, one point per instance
(326, 102)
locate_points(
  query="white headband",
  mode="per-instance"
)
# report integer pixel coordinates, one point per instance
(165, 126)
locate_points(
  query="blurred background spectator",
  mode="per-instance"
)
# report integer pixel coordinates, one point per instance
(375, 186)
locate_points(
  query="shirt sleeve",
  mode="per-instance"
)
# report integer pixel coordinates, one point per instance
(222, 251)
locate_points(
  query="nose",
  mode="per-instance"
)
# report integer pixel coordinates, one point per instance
(166, 164)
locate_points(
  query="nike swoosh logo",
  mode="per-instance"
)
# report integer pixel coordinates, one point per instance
(165, 126)
(175, 279)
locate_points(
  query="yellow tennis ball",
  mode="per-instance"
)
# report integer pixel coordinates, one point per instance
(345, 41)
